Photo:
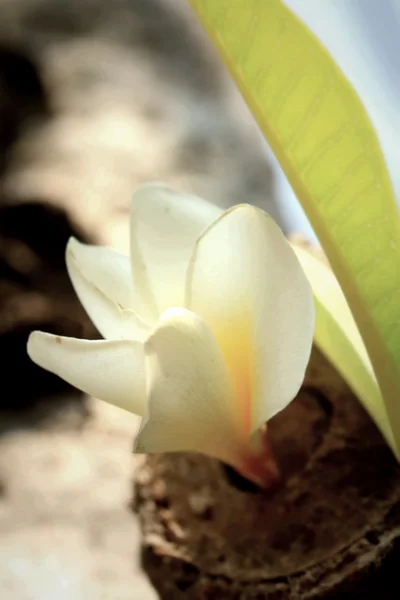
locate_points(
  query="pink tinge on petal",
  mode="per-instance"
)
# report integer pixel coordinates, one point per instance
(260, 466)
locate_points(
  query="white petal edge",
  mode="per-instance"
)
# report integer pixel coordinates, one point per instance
(246, 282)
(102, 281)
(190, 394)
(112, 371)
(164, 227)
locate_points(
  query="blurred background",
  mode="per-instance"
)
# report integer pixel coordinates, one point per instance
(97, 98)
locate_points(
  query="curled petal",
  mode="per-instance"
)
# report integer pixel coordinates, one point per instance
(102, 280)
(245, 281)
(190, 394)
(164, 227)
(110, 370)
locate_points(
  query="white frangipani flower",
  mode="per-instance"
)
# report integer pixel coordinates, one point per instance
(208, 327)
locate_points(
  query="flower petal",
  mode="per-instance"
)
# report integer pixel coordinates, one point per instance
(245, 281)
(110, 370)
(164, 227)
(190, 394)
(103, 282)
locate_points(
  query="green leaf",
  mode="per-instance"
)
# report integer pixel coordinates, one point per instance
(337, 335)
(324, 141)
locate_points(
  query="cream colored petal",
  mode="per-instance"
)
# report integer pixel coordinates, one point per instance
(110, 370)
(103, 282)
(245, 281)
(164, 227)
(190, 394)
(337, 335)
